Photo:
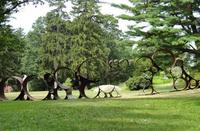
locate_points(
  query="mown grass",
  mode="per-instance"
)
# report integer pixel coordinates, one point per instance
(155, 113)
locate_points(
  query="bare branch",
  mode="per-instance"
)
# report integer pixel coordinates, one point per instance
(192, 47)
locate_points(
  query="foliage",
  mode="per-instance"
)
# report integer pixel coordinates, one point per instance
(88, 40)
(12, 44)
(68, 82)
(170, 23)
(133, 83)
(7, 7)
(30, 61)
(165, 24)
(36, 85)
(57, 40)
(55, 43)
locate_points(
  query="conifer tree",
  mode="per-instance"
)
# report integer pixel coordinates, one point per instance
(170, 23)
(166, 24)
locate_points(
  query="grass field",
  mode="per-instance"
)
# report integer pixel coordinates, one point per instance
(168, 111)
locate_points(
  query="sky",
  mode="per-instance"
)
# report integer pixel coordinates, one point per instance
(28, 14)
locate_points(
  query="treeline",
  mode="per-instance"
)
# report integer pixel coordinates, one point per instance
(67, 39)
(62, 39)
(166, 24)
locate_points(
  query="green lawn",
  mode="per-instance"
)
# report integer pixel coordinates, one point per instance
(167, 111)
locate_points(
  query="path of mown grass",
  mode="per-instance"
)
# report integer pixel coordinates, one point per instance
(102, 114)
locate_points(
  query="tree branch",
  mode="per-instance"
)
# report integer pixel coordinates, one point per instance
(7, 11)
(192, 47)
(178, 48)
(188, 30)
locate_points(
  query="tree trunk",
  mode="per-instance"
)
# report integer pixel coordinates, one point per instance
(2, 94)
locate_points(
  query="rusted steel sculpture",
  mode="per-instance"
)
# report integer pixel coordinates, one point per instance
(176, 65)
(171, 61)
(179, 74)
(188, 82)
(22, 84)
(51, 86)
(147, 82)
(52, 83)
(24, 93)
(80, 82)
(113, 64)
(116, 68)
(67, 89)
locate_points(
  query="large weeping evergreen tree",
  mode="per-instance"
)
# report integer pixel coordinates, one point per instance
(55, 40)
(90, 40)
(68, 42)
(165, 24)
(169, 24)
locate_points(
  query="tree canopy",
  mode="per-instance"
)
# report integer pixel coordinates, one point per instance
(172, 24)
(63, 38)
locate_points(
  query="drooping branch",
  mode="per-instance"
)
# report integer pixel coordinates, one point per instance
(178, 48)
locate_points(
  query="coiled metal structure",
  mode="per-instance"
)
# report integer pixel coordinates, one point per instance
(177, 72)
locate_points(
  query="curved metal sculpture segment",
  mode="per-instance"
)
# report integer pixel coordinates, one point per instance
(181, 81)
(190, 82)
(24, 93)
(67, 89)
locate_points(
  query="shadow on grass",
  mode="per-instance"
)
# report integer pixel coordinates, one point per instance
(102, 114)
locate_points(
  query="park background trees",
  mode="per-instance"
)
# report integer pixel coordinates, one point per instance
(172, 25)
(63, 38)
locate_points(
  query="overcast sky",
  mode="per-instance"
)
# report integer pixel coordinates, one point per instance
(27, 15)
